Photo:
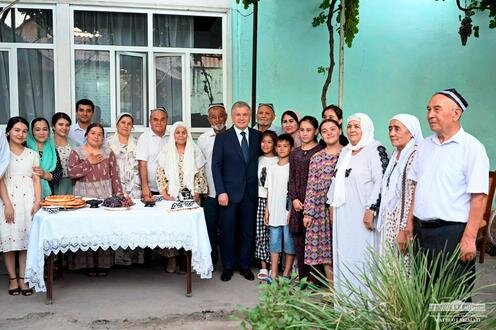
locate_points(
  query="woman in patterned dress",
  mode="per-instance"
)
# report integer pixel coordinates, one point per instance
(123, 144)
(299, 160)
(50, 169)
(316, 217)
(355, 197)
(20, 191)
(94, 169)
(405, 134)
(61, 124)
(180, 165)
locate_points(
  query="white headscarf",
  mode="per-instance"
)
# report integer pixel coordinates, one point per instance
(395, 169)
(4, 154)
(367, 128)
(168, 159)
(114, 143)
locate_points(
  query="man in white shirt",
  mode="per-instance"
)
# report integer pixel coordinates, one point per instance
(148, 147)
(265, 118)
(451, 175)
(84, 113)
(217, 117)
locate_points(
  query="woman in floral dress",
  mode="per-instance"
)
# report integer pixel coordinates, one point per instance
(123, 144)
(20, 191)
(180, 165)
(93, 167)
(316, 216)
(61, 124)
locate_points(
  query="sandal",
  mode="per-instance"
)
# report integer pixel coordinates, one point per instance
(262, 274)
(16, 291)
(25, 292)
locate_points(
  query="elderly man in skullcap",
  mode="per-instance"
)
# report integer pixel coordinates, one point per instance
(451, 176)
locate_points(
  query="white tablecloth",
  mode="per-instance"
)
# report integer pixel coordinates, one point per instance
(139, 226)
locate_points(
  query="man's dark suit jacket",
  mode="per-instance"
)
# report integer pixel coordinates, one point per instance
(232, 175)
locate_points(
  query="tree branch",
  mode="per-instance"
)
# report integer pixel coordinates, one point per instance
(330, 28)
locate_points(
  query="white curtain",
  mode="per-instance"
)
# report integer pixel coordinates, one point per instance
(35, 83)
(173, 31)
(169, 85)
(4, 88)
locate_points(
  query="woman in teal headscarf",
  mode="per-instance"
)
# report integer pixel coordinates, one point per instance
(50, 169)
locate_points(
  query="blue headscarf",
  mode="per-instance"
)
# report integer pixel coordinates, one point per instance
(48, 161)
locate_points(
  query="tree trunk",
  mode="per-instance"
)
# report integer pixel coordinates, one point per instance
(330, 28)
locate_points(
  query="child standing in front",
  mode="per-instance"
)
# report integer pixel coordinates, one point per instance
(268, 158)
(276, 213)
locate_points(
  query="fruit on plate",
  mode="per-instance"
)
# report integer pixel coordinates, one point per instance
(117, 201)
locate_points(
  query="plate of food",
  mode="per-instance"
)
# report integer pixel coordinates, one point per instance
(117, 203)
(63, 202)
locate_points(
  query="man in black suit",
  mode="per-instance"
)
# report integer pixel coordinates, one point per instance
(234, 169)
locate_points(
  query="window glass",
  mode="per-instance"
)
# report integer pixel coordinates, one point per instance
(206, 86)
(169, 85)
(132, 80)
(26, 25)
(187, 31)
(93, 81)
(108, 28)
(35, 83)
(4, 87)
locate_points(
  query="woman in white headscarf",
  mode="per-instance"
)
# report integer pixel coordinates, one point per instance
(355, 197)
(397, 192)
(180, 165)
(123, 144)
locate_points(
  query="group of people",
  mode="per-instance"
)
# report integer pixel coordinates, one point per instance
(268, 191)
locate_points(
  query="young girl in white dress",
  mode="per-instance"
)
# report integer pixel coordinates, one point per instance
(20, 191)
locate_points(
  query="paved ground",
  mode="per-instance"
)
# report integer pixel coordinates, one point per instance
(146, 298)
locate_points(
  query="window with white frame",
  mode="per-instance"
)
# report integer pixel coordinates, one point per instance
(134, 60)
(27, 63)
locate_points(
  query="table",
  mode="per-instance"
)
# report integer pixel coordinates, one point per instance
(94, 228)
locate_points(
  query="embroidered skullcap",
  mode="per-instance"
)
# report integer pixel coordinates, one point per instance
(456, 97)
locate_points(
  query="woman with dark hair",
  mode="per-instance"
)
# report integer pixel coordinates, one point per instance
(268, 146)
(316, 216)
(50, 169)
(299, 161)
(290, 125)
(94, 168)
(336, 113)
(61, 124)
(20, 187)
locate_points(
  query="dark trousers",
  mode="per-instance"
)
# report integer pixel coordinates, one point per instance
(211, 210)
(237, 228)
(299, 242)
(442, 237)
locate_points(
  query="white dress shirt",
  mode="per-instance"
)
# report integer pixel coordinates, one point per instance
(148, 147)
(206, 144)
(240, 137)
(446, 175)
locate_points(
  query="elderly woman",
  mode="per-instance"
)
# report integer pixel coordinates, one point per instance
(93, 166)
(61, 124)
(355, 197)
(50, 169)
(180, 165)
(397, 192)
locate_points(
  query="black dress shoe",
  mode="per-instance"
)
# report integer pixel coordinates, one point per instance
(226, 275)
(247, 273)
